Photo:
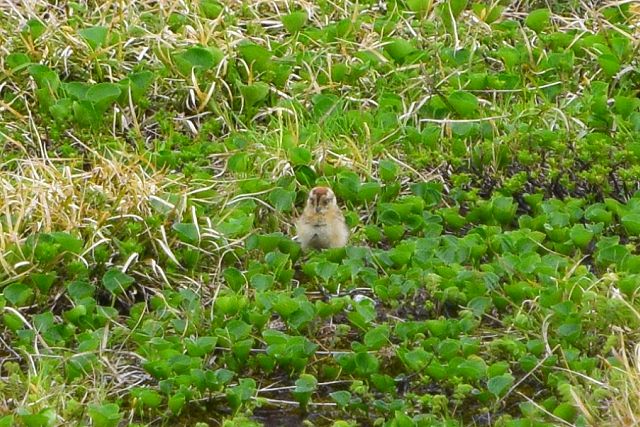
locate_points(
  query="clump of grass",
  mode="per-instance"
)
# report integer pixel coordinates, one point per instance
(41, 196)
(624, 373)
(621, 389)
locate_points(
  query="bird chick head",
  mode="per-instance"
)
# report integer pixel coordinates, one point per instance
(321, 199)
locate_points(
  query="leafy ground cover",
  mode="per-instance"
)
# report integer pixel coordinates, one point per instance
(154, 154)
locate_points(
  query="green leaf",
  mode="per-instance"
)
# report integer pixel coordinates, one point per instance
(105, 415)
(177, 402)
(377, 337)
(80, 289)
(306, 384)
(420, 6)
(238, 330)
(198, 58)
(257, 57)
(234, 278)
(211, 9)
(325, 104)
(85, 114)
(486, 13)
(102, 95)
(366, 364)
(200, 346)
(45, 418)
(12, 321)
(388, 170)
(245, 389)
(474, 368)
(18, 294)
(538, 19)
(609, 64)
(570, 329)
(254, 93)
(239, 162)
(94, 36)
(624, 105)
(479, 305)
(62, 110)
(566, 411)
(402, 253)
(630, 284)
(295, 21)
(450, 10)
(614, 254)
(34, 28)
(286, 306)
(452, 218)
(136, 84)
(326, 270)
(437, 327)
(631, 223)
(580, 235)
(188, 232)
(500, 384)
(75, 314)
(43, 281)
(116, 281)
(148, 398)
(457, 6)
(45, 77)
(368, 191)
(399, 49)
(416, 359)
(504, 209)
(17, 61)
(237, 224)
(282, 199)
(67, 242)
(342, 398)
(463, 103)
(300, 156)
(76, 90)
(261, 282)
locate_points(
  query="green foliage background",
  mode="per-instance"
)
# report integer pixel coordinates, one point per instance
(155, 153)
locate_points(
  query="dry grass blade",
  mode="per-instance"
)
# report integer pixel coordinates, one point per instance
(623, 408)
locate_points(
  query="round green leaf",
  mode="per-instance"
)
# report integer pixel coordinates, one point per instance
(116, 281)
(463, 103)
(399, 49)
(188, 232)
(609, 64)
(102, 95)
(294, 21)
(211, 9)
(196, 57)
(538, 19)
(631, 223)
(17, 61)
(254, 93)
(282, 199)
(18, 294)
(94, 36)
(500, 384)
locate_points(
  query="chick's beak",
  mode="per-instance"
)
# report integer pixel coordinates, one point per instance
(317, 202)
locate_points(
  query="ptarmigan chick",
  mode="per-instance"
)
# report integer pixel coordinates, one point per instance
(322, 224)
